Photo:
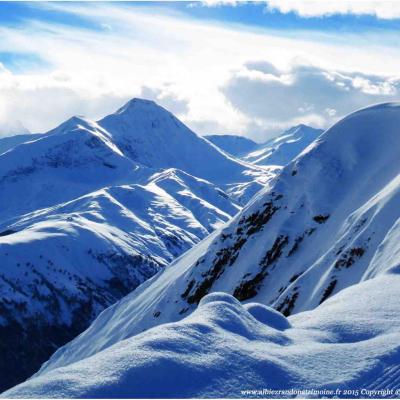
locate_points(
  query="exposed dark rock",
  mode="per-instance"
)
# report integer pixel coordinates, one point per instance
(248, 289)
(328, 291)
(222, 259)
(188, 289)
(295, 246)
(287, 306)
(274, 253)
(256, 221)
(294, 277)
(225, 236)
(7, 232)
(33, 338)
(320, 219)
(349, 257)
(250, 224)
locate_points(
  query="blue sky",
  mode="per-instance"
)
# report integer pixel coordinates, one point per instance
(222, 67)
(252, 14)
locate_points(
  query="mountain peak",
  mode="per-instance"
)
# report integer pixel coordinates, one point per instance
(69, 124)
(138, 104)
(301, 128)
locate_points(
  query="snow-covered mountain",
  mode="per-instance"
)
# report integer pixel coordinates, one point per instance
(285, 147)
(89, 210)
(150, 135)
(8, 142)
(237, 146)
(320, 244)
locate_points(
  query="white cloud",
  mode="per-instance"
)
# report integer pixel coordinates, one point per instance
(384, 9)
(304, 94)
(198, 69)
(166, 98)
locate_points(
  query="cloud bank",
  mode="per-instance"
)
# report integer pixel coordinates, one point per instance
(218, 78)
(383, 9)
(305, 94)
(312, 8)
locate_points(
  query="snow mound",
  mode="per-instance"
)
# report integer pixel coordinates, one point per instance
(218, 296)
(267, 316)
(221, 351)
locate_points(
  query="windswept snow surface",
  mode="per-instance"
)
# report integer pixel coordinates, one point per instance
(88, 211)
(328, 222)
(285, 147)
(226, 349)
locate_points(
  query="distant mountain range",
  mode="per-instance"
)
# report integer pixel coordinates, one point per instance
(278, 151)
(90, 210)
(285, 147)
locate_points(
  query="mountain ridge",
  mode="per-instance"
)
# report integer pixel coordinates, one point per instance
(284, 148)
(235, 145)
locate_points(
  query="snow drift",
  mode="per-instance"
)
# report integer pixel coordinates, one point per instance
(225, 349)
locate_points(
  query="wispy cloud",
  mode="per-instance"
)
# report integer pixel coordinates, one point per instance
(195, 68)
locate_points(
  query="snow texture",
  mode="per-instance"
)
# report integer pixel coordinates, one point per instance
(222, 350)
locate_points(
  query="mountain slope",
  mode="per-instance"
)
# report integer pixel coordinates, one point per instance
(74, 159)
(82, 224)
(329, 221)
(237, 146)
(284, 148)
(7, 143)
(61, 266)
